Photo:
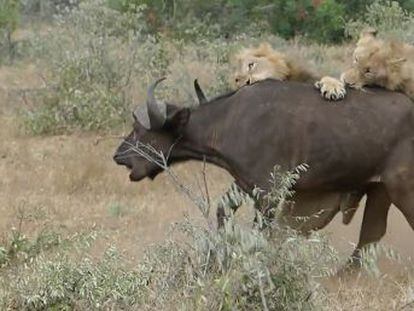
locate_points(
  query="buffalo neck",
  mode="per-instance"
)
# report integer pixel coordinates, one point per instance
(202, 138)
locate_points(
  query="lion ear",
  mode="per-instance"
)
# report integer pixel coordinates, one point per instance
(240, 55)
(264, 46)
(263, 49)
(369, 32)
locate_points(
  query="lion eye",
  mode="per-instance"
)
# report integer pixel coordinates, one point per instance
(367, 70)
(251, 65)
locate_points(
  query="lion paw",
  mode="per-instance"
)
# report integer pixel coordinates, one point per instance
(331, 88)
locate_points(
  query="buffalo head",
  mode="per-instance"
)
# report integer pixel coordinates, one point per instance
(156, 124)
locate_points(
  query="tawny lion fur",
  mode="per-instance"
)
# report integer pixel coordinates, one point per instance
(388, 64)
(254, 64)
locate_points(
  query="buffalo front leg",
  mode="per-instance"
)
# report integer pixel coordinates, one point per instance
(374, 222)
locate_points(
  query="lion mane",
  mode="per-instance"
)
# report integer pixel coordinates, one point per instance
(263, 62)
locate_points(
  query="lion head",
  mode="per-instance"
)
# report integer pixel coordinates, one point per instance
(377, 62)
(254, 64)
(367, 45)
(263, 62)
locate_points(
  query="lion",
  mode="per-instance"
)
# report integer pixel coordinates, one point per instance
(388, 64)
(263, 62)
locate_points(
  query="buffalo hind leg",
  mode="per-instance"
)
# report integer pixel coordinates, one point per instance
(399, 180)
(349, 204)
(404, 201)
(374, 222)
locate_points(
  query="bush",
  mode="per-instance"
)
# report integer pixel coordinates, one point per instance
(388, 17)
(321, 21)
(92, 60)
(59, 283)
(99, 59)
(45, 8)
(236, 268)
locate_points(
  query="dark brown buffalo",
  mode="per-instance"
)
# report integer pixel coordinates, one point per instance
(363, 144)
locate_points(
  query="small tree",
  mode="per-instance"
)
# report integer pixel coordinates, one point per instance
(9, 18)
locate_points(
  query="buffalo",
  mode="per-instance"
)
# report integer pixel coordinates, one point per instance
(362, 145)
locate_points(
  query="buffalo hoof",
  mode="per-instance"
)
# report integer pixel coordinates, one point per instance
(352, 266)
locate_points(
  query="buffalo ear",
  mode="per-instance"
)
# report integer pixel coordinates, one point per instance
(177, 118)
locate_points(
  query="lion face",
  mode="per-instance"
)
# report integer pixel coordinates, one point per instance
(251, 69)
(376, 62)
(255, 64)
(373, 70)
(369, 61)
(378, 65)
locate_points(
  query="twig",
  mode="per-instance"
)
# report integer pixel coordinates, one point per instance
(262, 296)
(24, 98)
(206, 192)
(45, 83)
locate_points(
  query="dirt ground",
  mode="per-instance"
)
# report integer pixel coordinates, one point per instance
(72, 183)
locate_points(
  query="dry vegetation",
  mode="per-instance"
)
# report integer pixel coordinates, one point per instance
(74, 232)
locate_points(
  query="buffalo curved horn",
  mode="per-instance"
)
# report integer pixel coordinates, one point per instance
(200, 94)
(156, 117)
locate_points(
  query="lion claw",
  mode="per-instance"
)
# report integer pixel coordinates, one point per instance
(331, 88)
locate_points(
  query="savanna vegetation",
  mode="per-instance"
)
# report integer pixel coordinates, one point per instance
(75, 235)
